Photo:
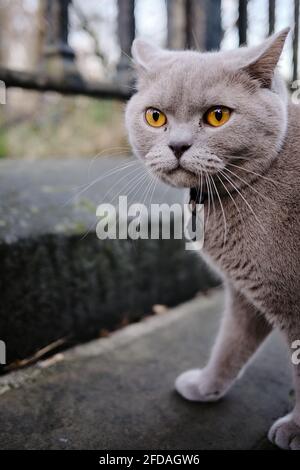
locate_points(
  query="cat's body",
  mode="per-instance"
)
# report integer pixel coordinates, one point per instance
(263, 239)
(223, 123)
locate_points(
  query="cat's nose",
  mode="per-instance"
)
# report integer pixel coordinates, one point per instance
(179, 149)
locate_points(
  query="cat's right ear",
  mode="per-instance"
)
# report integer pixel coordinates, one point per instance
(145, 54)
(262, 67)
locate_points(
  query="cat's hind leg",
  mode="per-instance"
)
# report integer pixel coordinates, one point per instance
(242, 330)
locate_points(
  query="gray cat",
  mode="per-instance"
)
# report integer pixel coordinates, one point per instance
(222, 124)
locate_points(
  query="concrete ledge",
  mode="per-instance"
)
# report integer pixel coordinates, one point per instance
(117, 392)
(57, 279)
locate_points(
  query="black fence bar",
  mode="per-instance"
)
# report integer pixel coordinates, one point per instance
(214, 31)
(58, 56)
(272, 5)
(296, 40)
(194, 24)
(191, 41)
(243, 22)
(126, 31)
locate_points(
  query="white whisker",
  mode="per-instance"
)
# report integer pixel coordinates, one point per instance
(100, 178)
(257, 174)
(240, 194)
(135, 173)
(211, 191)
(208, 198)
(134, 183)
(103, 152)
(223, 212)
(249, 185)
(231, 197)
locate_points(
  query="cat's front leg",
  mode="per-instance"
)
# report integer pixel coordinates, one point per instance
(285, 432)
(242, 330)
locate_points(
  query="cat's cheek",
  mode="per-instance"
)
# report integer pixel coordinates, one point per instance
(139, 142)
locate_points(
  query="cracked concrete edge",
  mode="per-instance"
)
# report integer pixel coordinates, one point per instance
(119, 338)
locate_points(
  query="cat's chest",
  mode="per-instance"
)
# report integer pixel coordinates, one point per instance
(231, 246)
(224, 237)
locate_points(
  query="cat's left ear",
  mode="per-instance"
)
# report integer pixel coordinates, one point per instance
(262, 67)
(145, 54)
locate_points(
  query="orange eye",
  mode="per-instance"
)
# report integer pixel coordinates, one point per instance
(155, 118)
(217, 116)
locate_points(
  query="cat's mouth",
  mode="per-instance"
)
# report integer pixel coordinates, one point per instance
(193, 170)
(186, 172)
(179, 176)
(178, 168)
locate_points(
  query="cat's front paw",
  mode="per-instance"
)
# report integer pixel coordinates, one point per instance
(285, 433)
(195, 385)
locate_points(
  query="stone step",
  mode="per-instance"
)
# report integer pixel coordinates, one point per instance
(57, 279)
(117, 392)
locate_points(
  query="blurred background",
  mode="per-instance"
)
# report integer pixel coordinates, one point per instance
(88, 41)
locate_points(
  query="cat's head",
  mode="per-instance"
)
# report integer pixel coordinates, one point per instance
(195, 112)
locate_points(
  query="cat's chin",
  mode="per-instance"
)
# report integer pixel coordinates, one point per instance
(179, 178)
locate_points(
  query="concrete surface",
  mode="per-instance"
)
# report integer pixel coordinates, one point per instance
(117, 392)
(61, 196)
(57, 280)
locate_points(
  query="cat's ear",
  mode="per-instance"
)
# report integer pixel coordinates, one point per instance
(145, 54)
(263, 65)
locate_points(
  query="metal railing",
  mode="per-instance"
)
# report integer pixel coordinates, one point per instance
(243, 26)
(58, 71)
(191, 23)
